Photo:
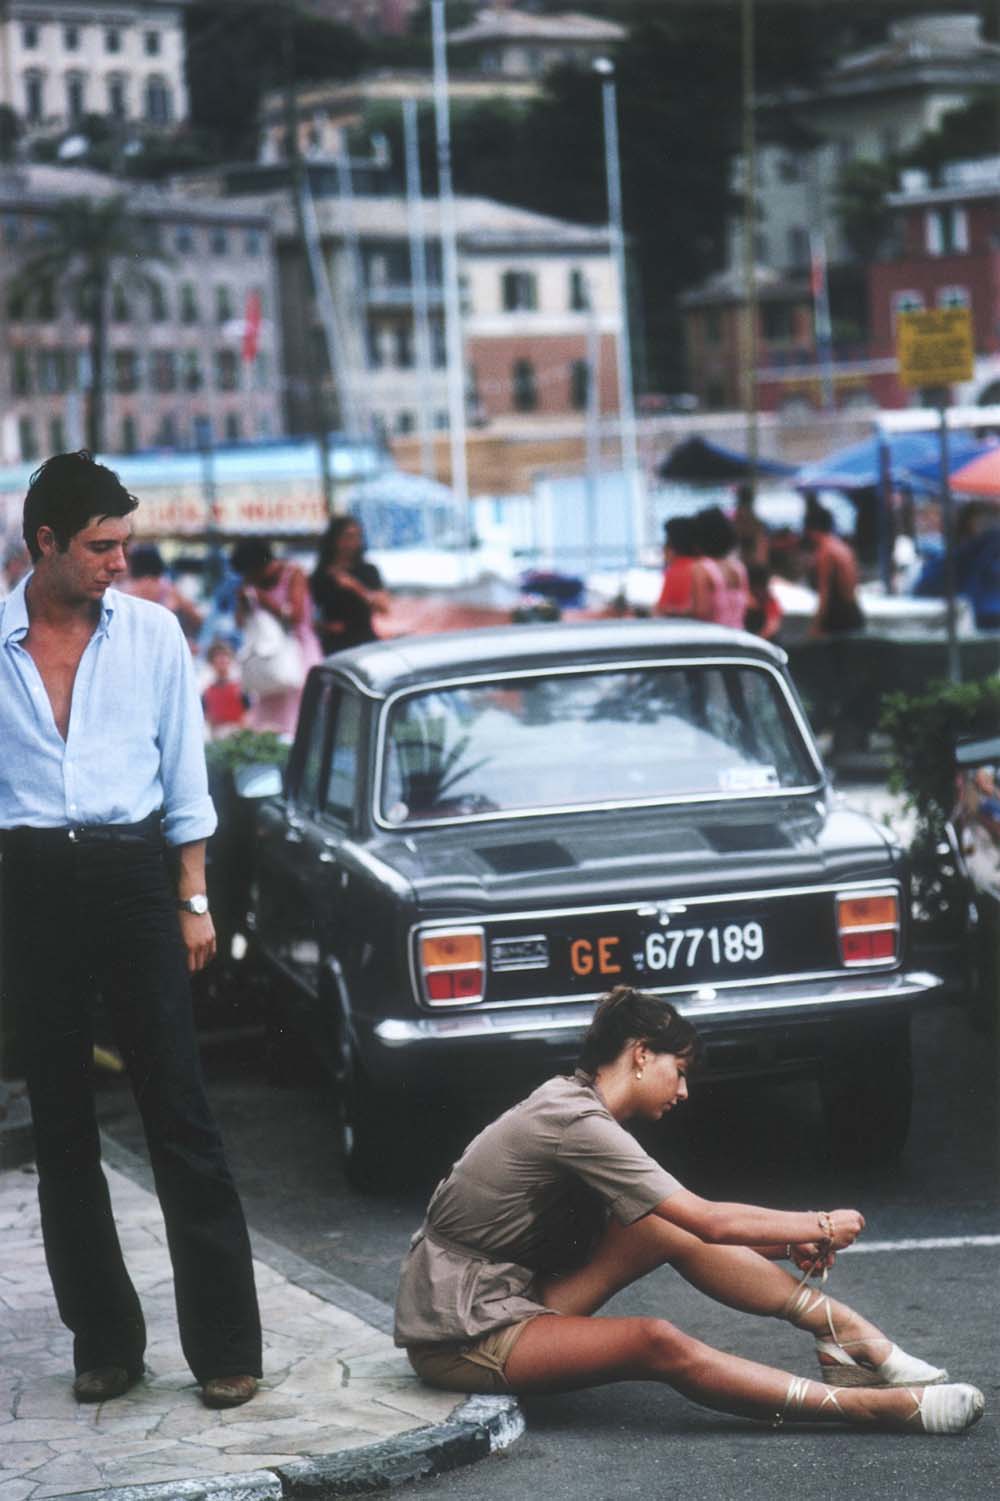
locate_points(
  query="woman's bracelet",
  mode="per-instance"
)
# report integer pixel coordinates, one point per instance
(826, 1229)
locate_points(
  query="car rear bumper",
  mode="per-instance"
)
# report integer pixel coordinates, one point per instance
(400, 1048)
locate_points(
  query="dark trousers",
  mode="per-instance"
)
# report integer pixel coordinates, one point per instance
(86, 917)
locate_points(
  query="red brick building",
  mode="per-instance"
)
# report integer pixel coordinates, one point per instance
(948, 231)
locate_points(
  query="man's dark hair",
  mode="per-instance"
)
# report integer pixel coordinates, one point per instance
(65, 493)
(818, 517)
(250, 555)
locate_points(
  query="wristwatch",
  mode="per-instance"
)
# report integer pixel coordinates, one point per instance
(197, 904)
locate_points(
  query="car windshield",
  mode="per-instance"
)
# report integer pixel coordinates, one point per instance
(569, 739)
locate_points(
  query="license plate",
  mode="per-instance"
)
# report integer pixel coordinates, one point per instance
(671, 954)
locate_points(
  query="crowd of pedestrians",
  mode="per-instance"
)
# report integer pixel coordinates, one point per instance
(264, 624)
(719, 568)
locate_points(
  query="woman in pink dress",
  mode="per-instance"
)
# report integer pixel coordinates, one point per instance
(282, 589)
(727, 587)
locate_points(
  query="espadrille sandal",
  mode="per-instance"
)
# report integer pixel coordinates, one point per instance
(795, 1401)
(839, 1368)
(947, 1409)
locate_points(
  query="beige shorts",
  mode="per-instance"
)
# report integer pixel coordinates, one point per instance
(475, 1367)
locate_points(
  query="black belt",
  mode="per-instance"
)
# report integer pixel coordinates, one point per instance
(149, 831)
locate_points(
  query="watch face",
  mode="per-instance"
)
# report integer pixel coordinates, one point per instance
(196, 904)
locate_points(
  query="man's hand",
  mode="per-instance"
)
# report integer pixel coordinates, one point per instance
(198, 934)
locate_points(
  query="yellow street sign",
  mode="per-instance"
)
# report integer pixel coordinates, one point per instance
(935, 348)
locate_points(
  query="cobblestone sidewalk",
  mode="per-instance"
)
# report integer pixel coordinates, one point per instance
(332, 1381)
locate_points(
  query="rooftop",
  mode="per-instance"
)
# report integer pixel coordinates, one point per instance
(954, 182)
(922, 39)
(518, 26)
(44, 186)
(725, 287)
(921, 52)
(483, 223)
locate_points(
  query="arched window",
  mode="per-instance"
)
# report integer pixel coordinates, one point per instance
(158, 105)
(34, 97)
(117, 105)
(75, 101)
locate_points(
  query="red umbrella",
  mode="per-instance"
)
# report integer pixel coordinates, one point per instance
(981, 476)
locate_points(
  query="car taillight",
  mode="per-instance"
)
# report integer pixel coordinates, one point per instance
(453, 966)
(868, 928)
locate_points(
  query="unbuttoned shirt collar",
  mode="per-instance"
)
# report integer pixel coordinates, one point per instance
(16, 619)
(135, 711)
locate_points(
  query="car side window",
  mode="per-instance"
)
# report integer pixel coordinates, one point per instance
(341, 786)
(306, 793)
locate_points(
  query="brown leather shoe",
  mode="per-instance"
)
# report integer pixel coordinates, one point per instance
(103, 1383)
(228, 1391)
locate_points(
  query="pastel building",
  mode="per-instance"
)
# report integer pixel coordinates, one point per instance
(63, 59)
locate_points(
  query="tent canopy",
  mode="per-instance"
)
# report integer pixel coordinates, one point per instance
(914, 460)
(698, 459)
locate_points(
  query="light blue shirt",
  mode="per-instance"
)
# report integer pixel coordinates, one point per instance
(135, 741)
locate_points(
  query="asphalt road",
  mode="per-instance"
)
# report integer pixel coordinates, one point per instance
(762, 1145)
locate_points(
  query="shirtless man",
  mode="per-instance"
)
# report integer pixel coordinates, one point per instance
(837, 609)
(103, 767)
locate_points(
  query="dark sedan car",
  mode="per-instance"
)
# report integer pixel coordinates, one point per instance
(481, 833)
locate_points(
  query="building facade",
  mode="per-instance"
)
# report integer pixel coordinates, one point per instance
(539, 308)
(949, 233)
(504, 42)
(63, 59)
(193, 349)
(871, 106)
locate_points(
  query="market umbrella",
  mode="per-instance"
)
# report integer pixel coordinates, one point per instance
(981, 476)
(914, 460)
(698, 459)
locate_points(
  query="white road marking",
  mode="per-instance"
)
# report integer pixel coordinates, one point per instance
(931, 1243)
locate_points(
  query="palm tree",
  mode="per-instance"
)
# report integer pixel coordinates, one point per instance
(93, 245)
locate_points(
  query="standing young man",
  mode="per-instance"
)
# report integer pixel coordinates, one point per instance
(103, 765)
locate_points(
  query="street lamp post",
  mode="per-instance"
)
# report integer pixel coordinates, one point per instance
(605, 68)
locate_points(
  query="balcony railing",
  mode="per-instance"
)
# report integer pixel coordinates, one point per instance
(399, 294)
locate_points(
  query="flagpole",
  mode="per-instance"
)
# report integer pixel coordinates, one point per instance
(822, 327)
(418, 281)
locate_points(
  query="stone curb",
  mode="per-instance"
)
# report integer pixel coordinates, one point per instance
(480, 1426)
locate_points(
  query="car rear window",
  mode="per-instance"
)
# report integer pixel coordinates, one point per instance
(595, 737)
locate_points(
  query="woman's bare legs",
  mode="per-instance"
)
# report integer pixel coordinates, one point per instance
(565, 1354)
(732, 1275)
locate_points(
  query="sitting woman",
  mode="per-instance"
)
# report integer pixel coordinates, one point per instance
(555, 1207)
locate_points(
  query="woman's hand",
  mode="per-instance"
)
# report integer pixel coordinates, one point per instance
(348, 581)
(809, 1256)
(840, 1228)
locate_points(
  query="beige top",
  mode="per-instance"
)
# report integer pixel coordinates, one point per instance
(530, 1195)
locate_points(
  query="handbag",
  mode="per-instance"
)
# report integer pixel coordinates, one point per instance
(271, 659)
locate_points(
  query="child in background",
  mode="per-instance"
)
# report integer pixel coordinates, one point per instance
(224, 701)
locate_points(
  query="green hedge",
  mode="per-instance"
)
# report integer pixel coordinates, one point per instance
(923, 729)
(246, 748)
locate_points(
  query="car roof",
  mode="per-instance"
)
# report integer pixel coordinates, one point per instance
(385, 666)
